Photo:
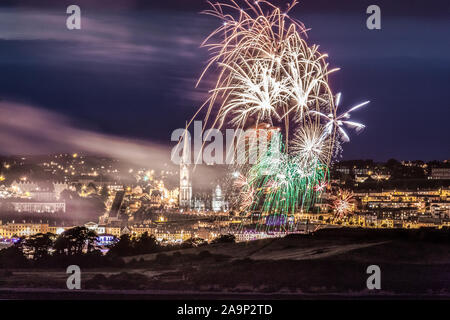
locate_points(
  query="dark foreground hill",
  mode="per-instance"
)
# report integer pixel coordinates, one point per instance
(329, 263)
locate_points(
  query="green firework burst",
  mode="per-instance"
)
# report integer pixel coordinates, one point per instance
(283, 183)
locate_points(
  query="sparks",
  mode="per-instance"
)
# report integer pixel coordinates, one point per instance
(268, 74)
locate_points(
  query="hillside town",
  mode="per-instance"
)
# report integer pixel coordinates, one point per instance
(58, 192)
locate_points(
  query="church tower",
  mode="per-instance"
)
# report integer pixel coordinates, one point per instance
(185, 179)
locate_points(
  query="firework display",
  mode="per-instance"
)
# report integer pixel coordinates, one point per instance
(343, 205)
(266, 73)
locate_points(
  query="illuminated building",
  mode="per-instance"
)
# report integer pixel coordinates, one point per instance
(176, 236)
(440, 173)
(40, 191)
(199, 205)
(440, 209)
(115, 231)
(38, 207)
(138, 230)
(155, 198)
(24, 186)
(106, 239)
(22, 229)
(218, 202)
(99, 229)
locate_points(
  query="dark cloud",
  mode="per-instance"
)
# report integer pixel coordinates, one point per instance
(399, 8)
(132, 73)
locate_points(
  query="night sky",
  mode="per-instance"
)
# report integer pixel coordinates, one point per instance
(131, 70)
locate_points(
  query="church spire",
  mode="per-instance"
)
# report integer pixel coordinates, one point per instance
(185, 193)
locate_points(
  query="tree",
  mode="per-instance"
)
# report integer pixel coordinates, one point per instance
(13, 257)
(145, 244)
(123, 247)
(194, 242)
(393, 163)
(395, 168)
(39, 245)
(91, 187)
(104, 193)
(73, 241)
(78, 187)
(224, 238)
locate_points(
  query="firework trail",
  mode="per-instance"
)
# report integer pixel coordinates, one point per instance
(337, 122)
(266, 73)
(343, 205)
